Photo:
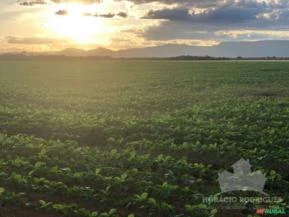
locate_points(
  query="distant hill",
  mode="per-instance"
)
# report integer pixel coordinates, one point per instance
(79, 52)
(71, 52)
(224, 49)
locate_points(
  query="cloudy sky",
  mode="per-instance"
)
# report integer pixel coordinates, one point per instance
(48, 25)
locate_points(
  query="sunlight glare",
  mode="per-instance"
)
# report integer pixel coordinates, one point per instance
(79, 28)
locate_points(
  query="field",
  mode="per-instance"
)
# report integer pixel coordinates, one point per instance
(132, 138)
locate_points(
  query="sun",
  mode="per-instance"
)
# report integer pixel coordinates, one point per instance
(78, 27)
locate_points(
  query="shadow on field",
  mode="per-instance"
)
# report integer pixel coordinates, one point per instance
(260, 93)
(93, 137)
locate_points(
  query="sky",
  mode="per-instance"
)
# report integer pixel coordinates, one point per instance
(51, 25)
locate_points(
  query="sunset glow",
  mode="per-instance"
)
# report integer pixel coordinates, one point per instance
(123, 24)
(79, 28)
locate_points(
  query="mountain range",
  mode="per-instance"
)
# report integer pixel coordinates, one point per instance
(270, 48)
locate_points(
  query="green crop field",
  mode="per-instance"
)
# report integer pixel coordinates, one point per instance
(139, 138)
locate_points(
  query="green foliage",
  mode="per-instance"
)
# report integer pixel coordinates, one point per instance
(137, 138)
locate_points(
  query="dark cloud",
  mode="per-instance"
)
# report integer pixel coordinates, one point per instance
(183, 23)
(83, 1)
(31, 40)
(168, 2)
(169, 14)
(227, 13)
(32, 3)
(35, 2)
(108, 15)
(194, 2)
(199, 2)
(61, 12)
(122, 14)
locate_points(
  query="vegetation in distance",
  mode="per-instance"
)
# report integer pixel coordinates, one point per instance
(59, 56)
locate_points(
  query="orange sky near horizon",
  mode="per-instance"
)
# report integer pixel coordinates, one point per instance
(50, 25)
